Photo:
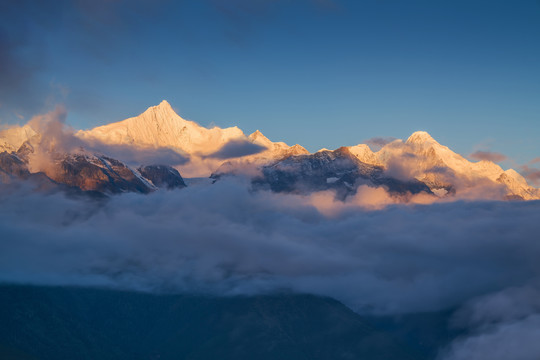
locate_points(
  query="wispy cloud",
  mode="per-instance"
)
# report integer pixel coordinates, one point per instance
(488, 155)
(55, 137)
(377, 143)
(236, 149)
(530, 173)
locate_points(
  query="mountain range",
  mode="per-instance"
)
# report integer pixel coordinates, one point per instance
(157, 148)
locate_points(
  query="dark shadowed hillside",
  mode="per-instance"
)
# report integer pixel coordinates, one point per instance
(78, 323)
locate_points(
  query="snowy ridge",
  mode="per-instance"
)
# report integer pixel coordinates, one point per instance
(12, 139)
(274, 150)
(421, 157)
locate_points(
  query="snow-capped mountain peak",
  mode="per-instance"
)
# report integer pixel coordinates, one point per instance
(423, 158)
(163, 108)
(275, 149)
(257, 137)
(11, 139)
(364, 154)
(160, 126)
(517, 177)
(421, 137)
(162, 113)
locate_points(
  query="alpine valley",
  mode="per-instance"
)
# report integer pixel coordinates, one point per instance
(160, 150)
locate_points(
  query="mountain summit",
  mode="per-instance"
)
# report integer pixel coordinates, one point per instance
(160, 126)
(164, 110)
(420, 137)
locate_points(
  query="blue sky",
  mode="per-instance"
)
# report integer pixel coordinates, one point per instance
(319, 73)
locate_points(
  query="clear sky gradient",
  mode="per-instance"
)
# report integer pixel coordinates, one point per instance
(318, 73)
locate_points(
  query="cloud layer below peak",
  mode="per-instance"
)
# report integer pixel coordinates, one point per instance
(224, 239)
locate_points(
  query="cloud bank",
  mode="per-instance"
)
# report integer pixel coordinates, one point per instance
(224, 239)
(506, 325)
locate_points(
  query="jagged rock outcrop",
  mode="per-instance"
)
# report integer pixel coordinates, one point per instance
(98, 173)
(162, 176)
(11, 166)
(339, 170)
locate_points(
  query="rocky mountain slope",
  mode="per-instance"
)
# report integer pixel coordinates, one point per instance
(87, 172)
(339, 170)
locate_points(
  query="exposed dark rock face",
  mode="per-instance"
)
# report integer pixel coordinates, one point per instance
(13, 169)
(101, 174)
(338, 170)
(12, 166)
(163, 176)
(25, 151)
(97, 175)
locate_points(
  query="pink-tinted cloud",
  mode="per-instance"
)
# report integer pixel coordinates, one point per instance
(488, 155)
(377, 143)
(531, 174)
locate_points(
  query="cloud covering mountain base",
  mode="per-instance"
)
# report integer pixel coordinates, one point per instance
(225, 240)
